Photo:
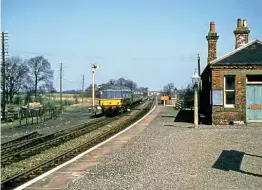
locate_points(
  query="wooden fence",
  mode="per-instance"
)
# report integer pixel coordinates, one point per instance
(27, 116)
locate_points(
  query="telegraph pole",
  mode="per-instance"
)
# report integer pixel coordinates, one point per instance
(93, 84)
(61, 102)
(200, 84)
(83, 88)
(198, 63)
(3, 74)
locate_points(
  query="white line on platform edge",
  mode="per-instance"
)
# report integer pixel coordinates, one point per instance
(80, 155)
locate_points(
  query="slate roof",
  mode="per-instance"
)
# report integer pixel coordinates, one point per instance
(246, 55)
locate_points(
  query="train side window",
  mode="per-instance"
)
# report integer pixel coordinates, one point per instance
(110, 94)
(103, 94)
(118, 94)
(106, 94)
(115, 94)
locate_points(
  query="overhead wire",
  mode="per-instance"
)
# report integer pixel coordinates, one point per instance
(72, 81)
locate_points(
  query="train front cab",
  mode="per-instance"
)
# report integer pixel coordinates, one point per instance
(114, 102)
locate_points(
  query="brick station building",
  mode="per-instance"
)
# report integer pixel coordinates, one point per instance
(231, 90)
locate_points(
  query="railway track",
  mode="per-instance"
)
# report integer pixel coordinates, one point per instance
(19, 146)
(40, 144)
(22, 176)
(19, 140)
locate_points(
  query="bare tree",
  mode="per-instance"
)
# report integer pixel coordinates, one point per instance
(47, 88)
(16, 76)
(168, 89)
(130, 84)
(50, 87)
(112, 82)
(188, 96)
(40, 70)
(121, 81)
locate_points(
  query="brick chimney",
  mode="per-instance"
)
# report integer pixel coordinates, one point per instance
(212, 38)
(241, 33)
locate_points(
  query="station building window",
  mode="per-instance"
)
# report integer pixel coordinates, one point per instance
(229, 91)
(254, 78)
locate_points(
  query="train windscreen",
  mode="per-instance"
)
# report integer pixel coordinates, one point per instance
(110, 94)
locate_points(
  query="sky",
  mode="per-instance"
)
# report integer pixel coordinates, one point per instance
(152, 42)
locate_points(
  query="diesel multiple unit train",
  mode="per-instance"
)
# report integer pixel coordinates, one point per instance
(118, 99)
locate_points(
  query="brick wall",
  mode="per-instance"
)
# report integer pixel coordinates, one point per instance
(212, 49)
(221, 115)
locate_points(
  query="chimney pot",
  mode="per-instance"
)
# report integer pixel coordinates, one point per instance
(239, 23)
(212, 27)
(245, 23)
(241, 33)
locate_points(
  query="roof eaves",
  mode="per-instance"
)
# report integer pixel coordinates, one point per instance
(235, 51)
(239, 64)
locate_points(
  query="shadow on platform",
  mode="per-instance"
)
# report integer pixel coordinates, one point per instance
(231, 160)
(186, 116)
(168, 116)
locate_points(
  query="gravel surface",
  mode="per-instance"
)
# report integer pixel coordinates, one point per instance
(168, 155)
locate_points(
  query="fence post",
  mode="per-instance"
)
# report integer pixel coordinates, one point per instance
(37, 115)
(54, 112)
(20, 116)
(26, 117)
(32, 117)
(41, 116)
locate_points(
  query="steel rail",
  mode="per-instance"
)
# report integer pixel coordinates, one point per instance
(40, 168)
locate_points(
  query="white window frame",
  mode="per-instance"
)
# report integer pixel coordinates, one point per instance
(229, 105)
(256, 82)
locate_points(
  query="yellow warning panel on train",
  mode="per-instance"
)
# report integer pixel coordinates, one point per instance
(110, 102)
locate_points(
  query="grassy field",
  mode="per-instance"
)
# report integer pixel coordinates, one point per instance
(51, 99)
(69, 97)
(70, 102)
(72, 115)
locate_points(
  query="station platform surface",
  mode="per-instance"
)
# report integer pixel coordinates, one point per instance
(159, 153)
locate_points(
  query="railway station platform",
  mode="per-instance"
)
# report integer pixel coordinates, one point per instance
(159, 153)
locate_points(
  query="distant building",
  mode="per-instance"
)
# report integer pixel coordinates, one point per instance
(154, 93)
(232, 84)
